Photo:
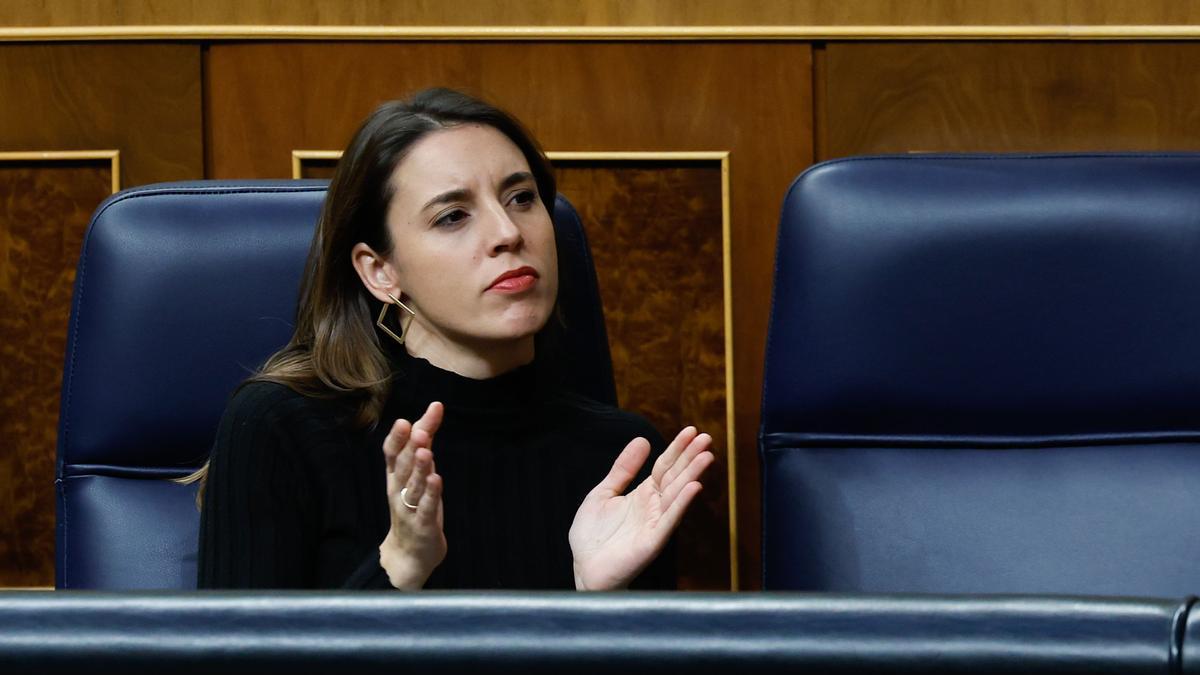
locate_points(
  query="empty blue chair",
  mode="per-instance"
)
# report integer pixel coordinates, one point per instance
(983, 376)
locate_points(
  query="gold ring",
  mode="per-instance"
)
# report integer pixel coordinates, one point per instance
(403, 493)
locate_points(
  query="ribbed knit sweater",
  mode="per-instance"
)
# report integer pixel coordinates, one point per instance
(296, 497)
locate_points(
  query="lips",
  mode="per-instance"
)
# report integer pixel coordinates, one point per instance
(515, 280)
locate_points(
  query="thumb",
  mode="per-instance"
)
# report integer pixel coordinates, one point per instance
(626, 466)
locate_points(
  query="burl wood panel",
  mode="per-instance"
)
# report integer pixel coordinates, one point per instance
(655, 234)
(1009, 97)
(751, 99)
(141, 99)
(44, 210)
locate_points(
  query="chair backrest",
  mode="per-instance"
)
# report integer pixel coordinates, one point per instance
(983, 375)
(182, 290)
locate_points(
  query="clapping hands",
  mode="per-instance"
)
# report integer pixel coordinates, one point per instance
(615, 535)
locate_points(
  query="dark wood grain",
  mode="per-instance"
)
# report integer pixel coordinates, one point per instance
(1009, 97)
(753, 100)
(597, 12)
(44, 210)
(141, 99)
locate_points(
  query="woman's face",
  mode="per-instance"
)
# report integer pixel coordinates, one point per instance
(473, 244)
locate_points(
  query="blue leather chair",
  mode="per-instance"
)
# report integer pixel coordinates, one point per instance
(182, 290)
(983, 376)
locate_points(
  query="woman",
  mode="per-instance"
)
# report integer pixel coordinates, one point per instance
(407, 436)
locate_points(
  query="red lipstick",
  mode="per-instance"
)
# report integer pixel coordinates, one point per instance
(515, 281)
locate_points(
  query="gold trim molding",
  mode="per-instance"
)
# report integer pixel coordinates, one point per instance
(589, 33)
(721, 156)
(113, 157)
(299, 156)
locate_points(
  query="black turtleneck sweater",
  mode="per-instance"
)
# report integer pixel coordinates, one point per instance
(296, 497)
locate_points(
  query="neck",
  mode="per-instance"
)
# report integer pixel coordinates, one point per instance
(478, 360)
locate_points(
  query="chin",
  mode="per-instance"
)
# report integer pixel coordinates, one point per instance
(517, 332)
(516, 328)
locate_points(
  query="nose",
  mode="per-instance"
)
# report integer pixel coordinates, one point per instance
(505, 235)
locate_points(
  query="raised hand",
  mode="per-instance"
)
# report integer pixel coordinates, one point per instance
(415, 544)
(615, 535)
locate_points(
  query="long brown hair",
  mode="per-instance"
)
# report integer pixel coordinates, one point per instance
(335, 351)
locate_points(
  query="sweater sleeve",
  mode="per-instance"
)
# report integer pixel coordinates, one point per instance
(255, 529)
(259, 522)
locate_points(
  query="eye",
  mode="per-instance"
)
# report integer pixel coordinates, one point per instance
(451, 218)
(523, 198)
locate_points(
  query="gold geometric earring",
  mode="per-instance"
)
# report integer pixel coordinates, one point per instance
(383, 312)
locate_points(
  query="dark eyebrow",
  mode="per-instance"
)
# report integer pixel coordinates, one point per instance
(463, 194)
(447, 197)
(514, 179)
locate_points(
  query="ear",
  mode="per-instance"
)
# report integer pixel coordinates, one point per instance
(377, 274)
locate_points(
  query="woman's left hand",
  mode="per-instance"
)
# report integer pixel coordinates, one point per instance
(615, 535)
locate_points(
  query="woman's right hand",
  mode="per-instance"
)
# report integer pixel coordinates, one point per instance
(415, 544)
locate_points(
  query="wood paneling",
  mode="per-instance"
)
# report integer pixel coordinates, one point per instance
(141, 99)
(655, 234)
(1012, 96)
(596, 12)
(44, 210)
(754, 100)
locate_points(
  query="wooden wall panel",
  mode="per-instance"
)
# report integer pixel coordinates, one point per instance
(595, 12)
(1008, 97)
(753, 100)
(141, 99)
(44, 210)
(662, 289)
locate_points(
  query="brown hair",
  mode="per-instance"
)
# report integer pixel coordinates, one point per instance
(335, 351)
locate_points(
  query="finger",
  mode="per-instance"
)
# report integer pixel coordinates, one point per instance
(431, 420)
(667, 459)
(674, 513)
(626, 466)
(394, 442)
(691, 473)
(423, 462)
(395, 458)
(427, 508)
(419, 438)
(402, 461)
(407, 460)
(699, 444)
